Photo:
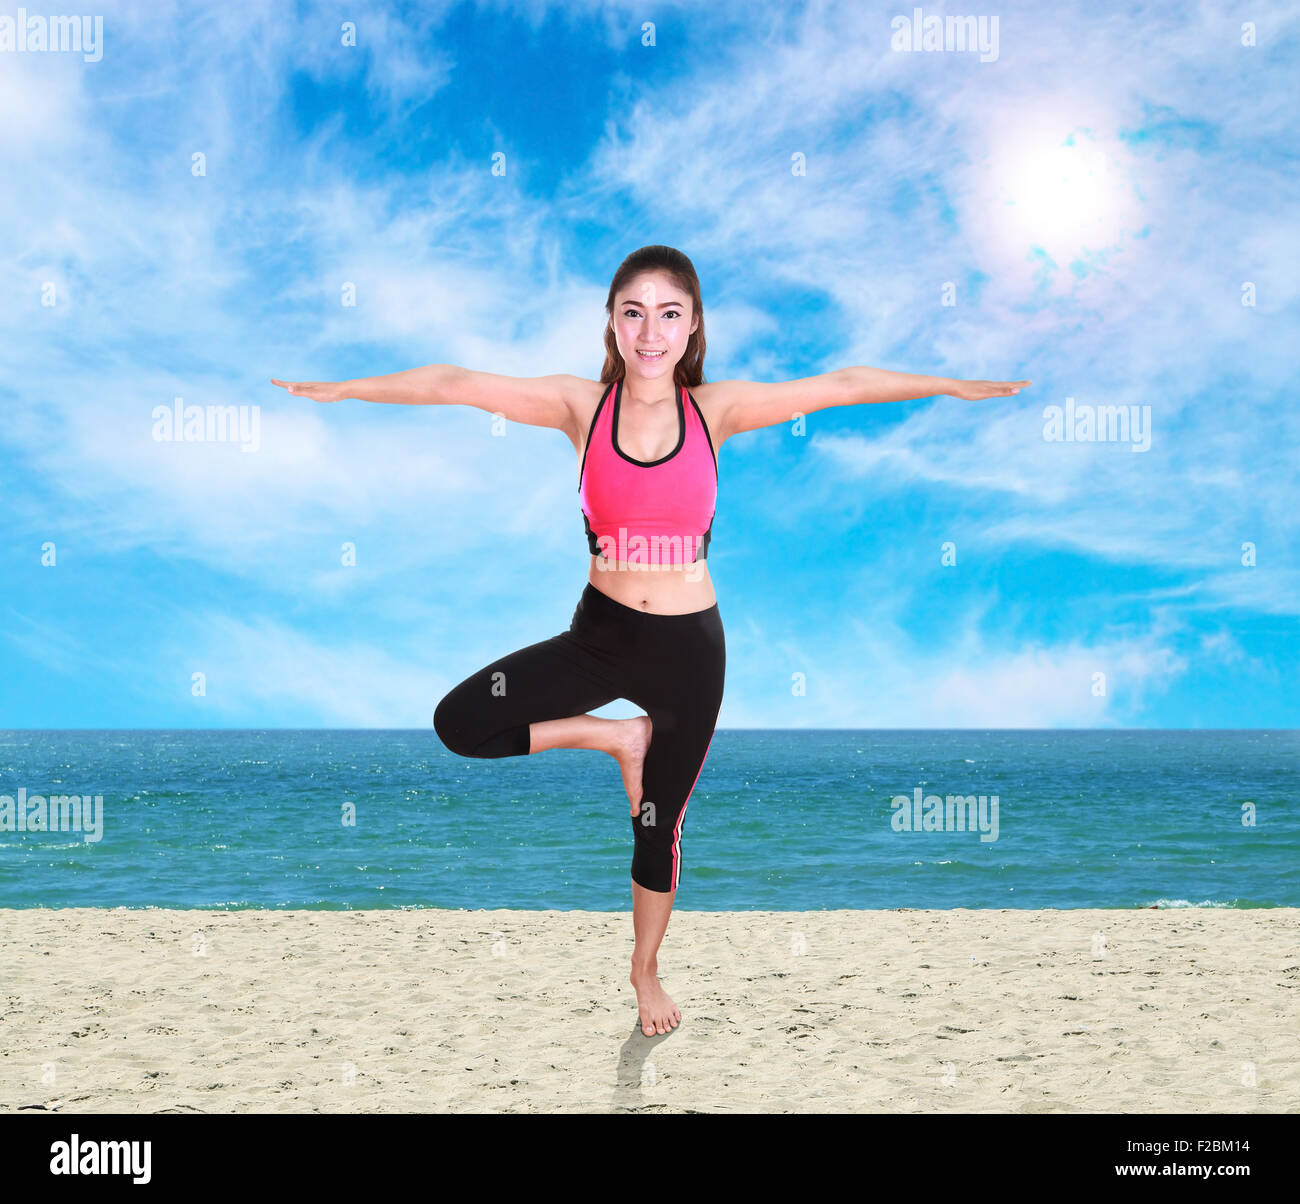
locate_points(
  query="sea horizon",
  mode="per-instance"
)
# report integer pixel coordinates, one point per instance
(781, 820)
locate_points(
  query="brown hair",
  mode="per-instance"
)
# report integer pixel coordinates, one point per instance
(689, 370)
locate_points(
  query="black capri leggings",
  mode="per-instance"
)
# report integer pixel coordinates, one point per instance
(672, 666)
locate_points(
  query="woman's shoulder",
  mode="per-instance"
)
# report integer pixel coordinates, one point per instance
(707, 394)
(583, 397)
(712, 397)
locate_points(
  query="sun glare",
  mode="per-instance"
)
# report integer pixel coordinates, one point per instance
(1063, 196)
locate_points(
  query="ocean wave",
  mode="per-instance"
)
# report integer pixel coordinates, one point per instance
(1188, 903)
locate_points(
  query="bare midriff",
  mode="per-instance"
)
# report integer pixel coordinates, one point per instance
(657, 590)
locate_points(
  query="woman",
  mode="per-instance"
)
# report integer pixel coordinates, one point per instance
(647, 626)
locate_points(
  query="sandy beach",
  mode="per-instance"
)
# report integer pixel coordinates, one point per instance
(516, 1011)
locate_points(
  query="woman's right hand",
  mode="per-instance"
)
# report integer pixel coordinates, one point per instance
(317, 390)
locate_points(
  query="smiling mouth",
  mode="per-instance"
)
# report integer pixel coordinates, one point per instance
(649, 355)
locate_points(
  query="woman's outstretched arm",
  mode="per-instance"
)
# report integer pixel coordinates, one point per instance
(535, 401)
(745, 405)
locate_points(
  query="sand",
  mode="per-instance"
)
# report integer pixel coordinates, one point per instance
(515, 1011)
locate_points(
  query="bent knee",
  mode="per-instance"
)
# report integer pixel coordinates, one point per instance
(449, 722)
(469, 731)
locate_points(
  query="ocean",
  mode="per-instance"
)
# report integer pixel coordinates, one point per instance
(788, 820)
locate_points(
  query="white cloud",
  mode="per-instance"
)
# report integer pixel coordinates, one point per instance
(873, 673)
(265, 668)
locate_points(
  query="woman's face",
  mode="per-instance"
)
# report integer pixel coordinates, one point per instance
(651, 314)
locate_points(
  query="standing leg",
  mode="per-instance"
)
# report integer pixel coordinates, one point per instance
(650, 912)
(683, 696)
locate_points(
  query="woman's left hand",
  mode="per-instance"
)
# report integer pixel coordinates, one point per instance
(978, 390)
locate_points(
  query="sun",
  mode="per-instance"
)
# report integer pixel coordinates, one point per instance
(1061, 195)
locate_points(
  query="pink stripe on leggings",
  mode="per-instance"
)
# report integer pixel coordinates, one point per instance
(677, 830)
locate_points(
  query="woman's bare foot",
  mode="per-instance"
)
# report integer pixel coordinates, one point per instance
(629, 751)
(659, 1014)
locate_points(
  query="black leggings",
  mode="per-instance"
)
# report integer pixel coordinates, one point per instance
(672, 666)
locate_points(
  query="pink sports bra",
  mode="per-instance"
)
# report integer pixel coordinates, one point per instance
(649, 512)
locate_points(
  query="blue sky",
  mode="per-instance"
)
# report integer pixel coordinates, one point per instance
(1096, 198)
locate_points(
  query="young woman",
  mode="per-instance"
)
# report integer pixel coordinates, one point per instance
(647, 626)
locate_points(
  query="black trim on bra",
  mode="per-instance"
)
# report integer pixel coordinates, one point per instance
(705, 425)
(702, 553)
(591, 536)
(586, 447)
(681, 438)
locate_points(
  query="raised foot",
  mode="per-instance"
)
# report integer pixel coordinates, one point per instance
(629, 751)
(659, 1014)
